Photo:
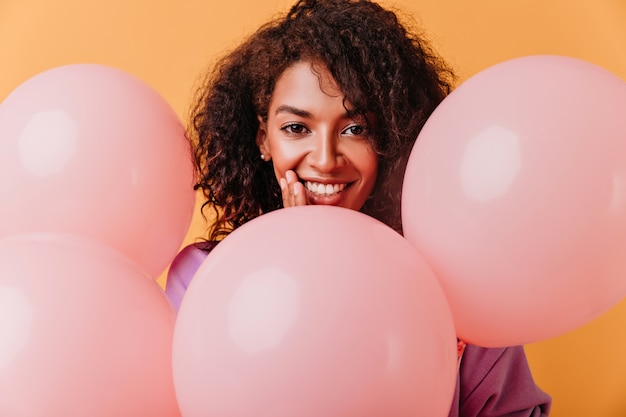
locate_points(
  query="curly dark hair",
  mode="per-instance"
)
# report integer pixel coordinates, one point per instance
(383, 69)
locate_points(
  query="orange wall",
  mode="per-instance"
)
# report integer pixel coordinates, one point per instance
(168, 42)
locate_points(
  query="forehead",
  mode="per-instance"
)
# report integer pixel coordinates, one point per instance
(307, 78)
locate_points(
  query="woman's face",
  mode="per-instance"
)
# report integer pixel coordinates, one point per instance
(310, 132)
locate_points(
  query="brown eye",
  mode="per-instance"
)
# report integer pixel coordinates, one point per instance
(295, 128)
(356, 130)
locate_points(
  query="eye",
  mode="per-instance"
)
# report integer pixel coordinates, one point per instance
(295, 128)
(355, 130)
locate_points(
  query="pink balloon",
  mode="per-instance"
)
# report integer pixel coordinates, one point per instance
(83, 332)
(91, 150)
(314, 311)
(515, 192)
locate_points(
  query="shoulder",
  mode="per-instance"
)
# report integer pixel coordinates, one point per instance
(183, 268)
(189, 259)
(498, 381)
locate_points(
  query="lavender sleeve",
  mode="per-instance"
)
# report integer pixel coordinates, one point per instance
(182, 270)
(497, 382)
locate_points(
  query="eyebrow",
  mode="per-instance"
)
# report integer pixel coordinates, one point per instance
(293, 110)
(303, 113)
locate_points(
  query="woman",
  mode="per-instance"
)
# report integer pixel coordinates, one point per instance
(322, 106)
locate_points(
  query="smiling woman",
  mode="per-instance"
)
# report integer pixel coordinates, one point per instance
(334, 115)
(312, 136)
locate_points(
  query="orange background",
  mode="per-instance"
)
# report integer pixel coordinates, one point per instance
(168, 43)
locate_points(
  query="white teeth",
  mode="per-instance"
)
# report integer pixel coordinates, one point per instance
(324, 189)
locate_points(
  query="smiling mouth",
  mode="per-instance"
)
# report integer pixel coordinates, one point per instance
(324, 190)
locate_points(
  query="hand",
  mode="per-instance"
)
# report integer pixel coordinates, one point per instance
(292, 190)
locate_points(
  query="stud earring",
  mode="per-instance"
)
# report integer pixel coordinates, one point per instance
(263, 157)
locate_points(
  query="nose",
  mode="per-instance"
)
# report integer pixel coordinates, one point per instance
(326, 156)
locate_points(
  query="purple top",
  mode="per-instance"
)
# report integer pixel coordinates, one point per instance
(492, 382)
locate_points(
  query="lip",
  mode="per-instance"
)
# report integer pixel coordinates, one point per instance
(325, 188)
(329, 199)
(318, 200)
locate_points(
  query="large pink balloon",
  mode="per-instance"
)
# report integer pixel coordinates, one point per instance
(83, 332)
(515, 192)
(92, 150)
(314, 311)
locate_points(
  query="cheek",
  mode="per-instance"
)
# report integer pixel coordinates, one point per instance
(370, 174)
(285, 158)
(368, 165)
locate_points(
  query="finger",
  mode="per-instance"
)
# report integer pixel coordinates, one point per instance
(284, 189)
(292, 190)
(298, 197)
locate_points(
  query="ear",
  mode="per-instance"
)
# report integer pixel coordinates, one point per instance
(261, 140)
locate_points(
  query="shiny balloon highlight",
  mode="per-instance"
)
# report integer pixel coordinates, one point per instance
(314, 311)
(515, 193)
(83, 332)
(92, 150)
